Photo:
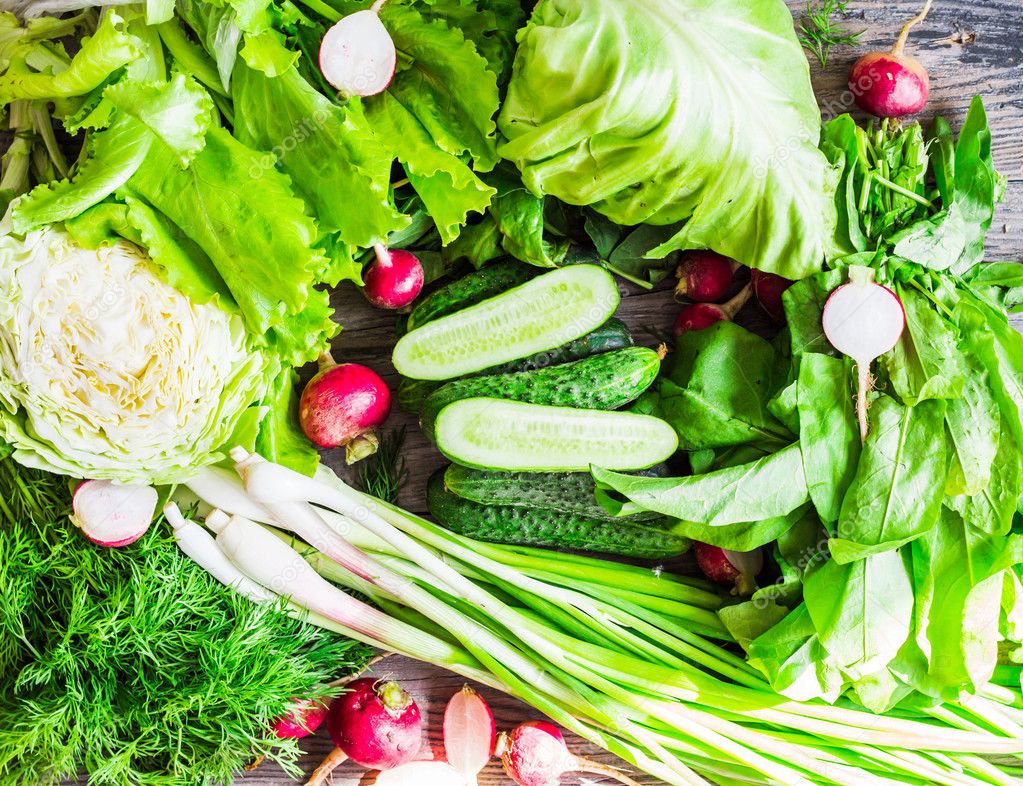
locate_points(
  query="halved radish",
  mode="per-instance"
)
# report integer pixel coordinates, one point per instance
(863, 320)
(421, 773)
(357, 55)
(113, 515)
(469, 733)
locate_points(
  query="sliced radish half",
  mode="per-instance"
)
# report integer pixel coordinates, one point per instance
(357, 55)
(421, 773)
(113, 515)
(863, 320)
(469, 733)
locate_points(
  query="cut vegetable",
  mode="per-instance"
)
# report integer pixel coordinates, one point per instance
(111, 514)
(489, 433)
(891, 83)
(469, 734)
(863, 320)
(539, 315)
(421, 773)
(357, 55)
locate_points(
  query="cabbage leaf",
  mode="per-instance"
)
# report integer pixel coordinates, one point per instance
(676, 110)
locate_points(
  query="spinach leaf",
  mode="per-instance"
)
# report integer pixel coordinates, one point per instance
(993, 507)
(763, 489)
(928, 363)
(829, 436)
(804, 306)
(744, 536)
(717, 390)
(792, 658)
(900, 480)
(958, 579)
(863, 610)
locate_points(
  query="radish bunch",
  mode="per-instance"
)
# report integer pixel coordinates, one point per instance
(705, 279)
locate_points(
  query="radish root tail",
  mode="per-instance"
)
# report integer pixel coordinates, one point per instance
(596, 768)
(334, 760)
(900, 43)
(863, 388)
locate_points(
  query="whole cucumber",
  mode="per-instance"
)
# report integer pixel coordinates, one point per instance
(612, 335)
(605, 381)
(470, 289)
(548, 528)
(568, 492)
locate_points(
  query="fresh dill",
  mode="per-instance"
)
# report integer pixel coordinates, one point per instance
(133, 666)
(383, 474)
(819, 31)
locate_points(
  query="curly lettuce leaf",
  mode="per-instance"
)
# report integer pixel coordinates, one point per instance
(109, 49)
(255, 231)
(335, 161)
(695, 110)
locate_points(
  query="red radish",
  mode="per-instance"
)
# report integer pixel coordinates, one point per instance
(342, 405)
(304, 718)
(111, 514)
(422, 773)
(863, 320)
(699, 316)
(891, 84)
(535, 754)
(704, 276)
(377, 724)
(469, 733)
(768, 289)
(394, 279)
(357, 55)
(735, 569)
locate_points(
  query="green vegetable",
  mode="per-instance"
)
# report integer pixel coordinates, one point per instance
(469, 290)
(537, 316)
(768, 487)
(818, 32)
(538, 526)
(709, 94)
(490, 433)
(717, 390)
(607, 381)
(568, 492)
(133, 666)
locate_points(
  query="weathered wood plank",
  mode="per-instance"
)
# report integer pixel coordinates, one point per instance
(968, 48)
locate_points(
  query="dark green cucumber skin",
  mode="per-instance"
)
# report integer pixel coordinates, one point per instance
(470, 289)
(547, 528)
(606, 381)
(568, 492)
(613, 334)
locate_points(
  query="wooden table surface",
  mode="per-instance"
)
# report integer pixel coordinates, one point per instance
(968, 48)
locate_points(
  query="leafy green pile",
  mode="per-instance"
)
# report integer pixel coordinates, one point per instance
(691, 114)
(900, 559)
(134, 665)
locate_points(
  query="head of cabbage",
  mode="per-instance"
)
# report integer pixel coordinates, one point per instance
(106, 371)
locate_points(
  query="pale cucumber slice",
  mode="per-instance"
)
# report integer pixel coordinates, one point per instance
(544, 313)
(494, 433)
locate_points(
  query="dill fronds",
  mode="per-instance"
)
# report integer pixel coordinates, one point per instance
(382, 474)
(133, 665)
(819, 31)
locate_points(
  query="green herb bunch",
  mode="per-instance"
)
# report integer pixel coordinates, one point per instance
(133, 665)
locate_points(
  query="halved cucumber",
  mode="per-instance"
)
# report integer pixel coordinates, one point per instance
(492, 433)
(539, 315)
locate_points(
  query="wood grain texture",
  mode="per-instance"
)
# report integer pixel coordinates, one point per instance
(968, 47)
